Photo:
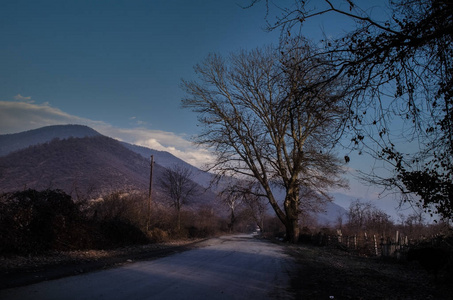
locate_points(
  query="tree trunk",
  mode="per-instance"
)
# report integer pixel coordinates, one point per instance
(178, 225)
(232, 221)
(178, 212)
(292, 214)
(292, 231)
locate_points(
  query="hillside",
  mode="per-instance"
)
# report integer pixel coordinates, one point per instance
(331, 214)
(18, 141)
(168, 160)
(90, 165)
(13, 142)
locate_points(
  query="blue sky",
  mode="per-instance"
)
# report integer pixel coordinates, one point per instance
(118, 61)
(116, 66)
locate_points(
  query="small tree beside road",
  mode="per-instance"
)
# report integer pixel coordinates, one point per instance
(233, 201)
(176, 183)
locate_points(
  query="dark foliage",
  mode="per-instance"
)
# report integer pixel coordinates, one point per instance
(435, 190)
(32, 221)
(37, 221)
(119, 233)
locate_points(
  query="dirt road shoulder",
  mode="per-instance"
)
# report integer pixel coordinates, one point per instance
(19, 271)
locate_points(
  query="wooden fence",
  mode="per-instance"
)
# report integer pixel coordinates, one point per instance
(370, 245)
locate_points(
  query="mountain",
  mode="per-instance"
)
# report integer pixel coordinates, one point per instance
(13, 142)
(94, 165)
(89, 165)
(331, 214)
(17, 141)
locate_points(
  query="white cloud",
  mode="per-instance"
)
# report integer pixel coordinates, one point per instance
(19, 97)
(21, 116)
(160, 140)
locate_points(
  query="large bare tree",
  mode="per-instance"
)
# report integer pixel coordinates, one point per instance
(263, 126)
(400, 71)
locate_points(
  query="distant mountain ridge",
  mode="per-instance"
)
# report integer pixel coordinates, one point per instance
(81, 161)
(17, 141)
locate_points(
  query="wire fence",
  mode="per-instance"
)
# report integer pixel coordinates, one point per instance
(370, 244)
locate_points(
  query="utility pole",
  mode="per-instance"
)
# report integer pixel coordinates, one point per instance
(149, 192)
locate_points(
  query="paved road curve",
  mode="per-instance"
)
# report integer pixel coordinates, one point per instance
(230, 267)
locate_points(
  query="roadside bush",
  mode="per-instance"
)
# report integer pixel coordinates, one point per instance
(273, 226)
(128, 207)
(202, 223)
(33, 222)
(158, 235)
(162, 218)
(118, 233)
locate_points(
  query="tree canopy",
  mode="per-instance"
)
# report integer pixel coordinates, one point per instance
(264, 126)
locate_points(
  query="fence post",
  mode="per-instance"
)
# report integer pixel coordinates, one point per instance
(383, 248)
(375, 245)
(340, 235)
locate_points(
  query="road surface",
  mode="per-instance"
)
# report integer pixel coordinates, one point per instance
(229, 267)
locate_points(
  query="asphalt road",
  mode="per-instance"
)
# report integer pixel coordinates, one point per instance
(229, 267)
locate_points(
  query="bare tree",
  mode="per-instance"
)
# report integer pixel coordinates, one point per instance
(233, 200)
(400, 72)
(264, 127)
(176, 183)
(245, 194)
(256, 207)
(364, 216)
